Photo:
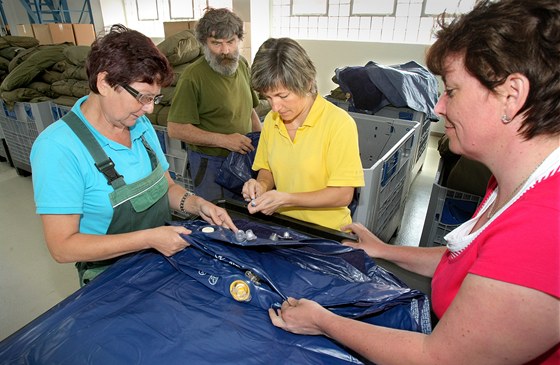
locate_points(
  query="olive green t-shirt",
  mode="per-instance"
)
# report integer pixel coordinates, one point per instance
(214, 102)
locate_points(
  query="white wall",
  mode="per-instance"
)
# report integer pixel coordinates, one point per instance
(260, 24)
(112, 12)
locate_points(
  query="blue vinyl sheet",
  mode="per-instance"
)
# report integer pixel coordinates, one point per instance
(151, 309)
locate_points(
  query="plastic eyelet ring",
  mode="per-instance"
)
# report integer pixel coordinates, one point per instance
(240, 291)
(207, 229)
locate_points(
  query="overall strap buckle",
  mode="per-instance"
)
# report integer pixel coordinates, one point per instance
(107, 168)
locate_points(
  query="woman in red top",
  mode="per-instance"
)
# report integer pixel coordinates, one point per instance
(495, 287)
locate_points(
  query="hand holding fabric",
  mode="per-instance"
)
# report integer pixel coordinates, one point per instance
(239, 143)
(367, 241)
(167, 239)
(299, 316)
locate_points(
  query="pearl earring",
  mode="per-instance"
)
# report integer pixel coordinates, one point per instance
(505, 119)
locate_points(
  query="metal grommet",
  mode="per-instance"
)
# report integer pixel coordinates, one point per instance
(240, 291)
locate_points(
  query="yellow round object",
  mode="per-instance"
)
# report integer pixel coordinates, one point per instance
(240, 291)
(208, 229)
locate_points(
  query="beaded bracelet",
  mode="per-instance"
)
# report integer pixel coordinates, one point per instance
(183, 199)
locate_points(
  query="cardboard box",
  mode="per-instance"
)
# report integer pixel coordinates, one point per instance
(84, 34)
(24, 30)
(42, 33)
(170, 28)
(62, 32)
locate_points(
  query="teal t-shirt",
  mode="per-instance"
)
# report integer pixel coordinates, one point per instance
(66, 181)
(214, 102)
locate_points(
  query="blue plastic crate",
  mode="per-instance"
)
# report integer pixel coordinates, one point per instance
(447, 210)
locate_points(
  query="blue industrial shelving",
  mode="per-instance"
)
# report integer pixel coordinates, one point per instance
(49, 11)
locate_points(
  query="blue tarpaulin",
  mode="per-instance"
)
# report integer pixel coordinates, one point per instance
(149, 309)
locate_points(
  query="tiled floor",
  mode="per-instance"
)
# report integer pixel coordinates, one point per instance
(31, 282)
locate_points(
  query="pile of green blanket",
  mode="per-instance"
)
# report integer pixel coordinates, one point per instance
(30, 72)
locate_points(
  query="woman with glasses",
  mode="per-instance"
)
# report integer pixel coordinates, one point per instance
(100, 176)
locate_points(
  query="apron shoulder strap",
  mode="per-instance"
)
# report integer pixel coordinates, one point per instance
(103, 162)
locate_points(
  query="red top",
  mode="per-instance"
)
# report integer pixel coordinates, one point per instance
(521, 246)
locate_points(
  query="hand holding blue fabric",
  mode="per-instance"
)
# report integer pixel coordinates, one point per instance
(300, 316)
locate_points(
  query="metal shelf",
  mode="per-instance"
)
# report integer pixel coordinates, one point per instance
(53, 11)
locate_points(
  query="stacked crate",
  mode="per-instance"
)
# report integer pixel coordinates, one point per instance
(387, 150)
(176, 155)
(21, 126)
(447, 210)
(58, 111)
(421, 136)
(5, 112)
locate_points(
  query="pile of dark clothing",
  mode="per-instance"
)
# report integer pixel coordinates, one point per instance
(369, 88)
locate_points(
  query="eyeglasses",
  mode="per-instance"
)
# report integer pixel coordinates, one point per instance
(143, 98)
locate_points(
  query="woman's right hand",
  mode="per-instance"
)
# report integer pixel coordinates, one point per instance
(167, 239)
(252, 189)
(367, 241)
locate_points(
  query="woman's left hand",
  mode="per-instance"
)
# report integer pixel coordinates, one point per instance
(300, 316)
(268, 202)
(215, 215)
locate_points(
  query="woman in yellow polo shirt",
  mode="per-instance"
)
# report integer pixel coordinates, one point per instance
(308, 158)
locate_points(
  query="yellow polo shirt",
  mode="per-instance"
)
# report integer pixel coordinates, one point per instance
(324, 153)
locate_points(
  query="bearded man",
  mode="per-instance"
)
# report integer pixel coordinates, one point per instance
(213, 106)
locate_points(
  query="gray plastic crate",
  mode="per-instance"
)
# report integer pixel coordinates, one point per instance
(58, 111)
(421, 136)
(178, 163)
(447, 210)
(3, 149)
(7, 111)
(386, 149)
(19, 135)
(172, 146)
(21, 126)
(38, 113)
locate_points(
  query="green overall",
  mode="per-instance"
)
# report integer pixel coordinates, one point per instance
(140, 205)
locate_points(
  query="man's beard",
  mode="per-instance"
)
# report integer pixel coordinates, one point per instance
(222, 64)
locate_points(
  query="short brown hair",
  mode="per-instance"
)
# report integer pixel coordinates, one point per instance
(127, 56)
(218, 23)
(500, 38)
(283, 62)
